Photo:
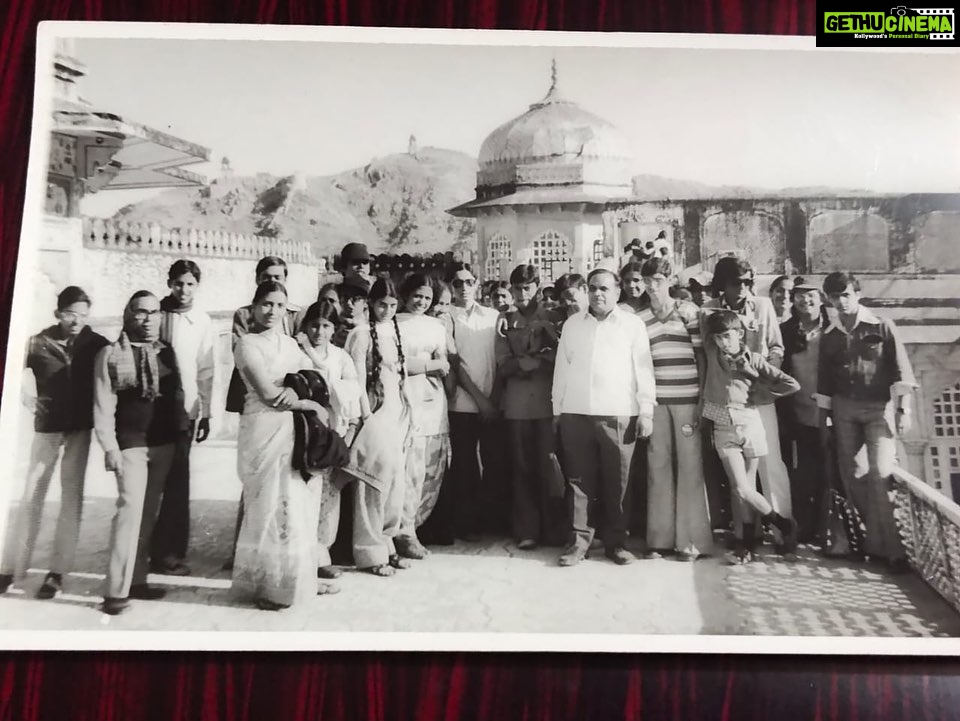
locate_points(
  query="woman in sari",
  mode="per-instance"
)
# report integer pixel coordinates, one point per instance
(276, 558)
(378, 453)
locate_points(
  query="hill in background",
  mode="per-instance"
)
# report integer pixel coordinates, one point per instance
(393, 204)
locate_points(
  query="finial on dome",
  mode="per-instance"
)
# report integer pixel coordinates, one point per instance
(553, 95)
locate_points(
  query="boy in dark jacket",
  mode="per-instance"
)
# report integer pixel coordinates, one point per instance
(734, 376)
(61, 360)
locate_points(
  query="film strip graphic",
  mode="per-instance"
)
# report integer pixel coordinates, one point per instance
(938, 11)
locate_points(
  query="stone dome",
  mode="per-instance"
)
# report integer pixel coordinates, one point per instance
(556, 142)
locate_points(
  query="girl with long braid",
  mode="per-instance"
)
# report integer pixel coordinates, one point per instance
(378, 453)
(426, 350)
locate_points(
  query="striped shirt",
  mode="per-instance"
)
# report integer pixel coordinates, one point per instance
(673, 341)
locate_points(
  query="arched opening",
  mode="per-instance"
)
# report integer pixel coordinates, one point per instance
(499, 257)
(551, 254)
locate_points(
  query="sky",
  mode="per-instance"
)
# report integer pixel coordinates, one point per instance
(883, 122)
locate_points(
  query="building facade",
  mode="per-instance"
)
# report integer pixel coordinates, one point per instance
(554, 188)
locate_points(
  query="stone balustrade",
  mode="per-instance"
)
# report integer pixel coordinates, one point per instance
(107, 234)
(929, 525)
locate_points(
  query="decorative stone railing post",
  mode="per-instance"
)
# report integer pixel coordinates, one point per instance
(929, 526)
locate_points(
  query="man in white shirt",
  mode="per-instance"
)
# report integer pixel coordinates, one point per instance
(604, 394)
(190, 332)
(472, 411)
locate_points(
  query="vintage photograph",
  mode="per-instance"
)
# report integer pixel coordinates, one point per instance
(477, 339)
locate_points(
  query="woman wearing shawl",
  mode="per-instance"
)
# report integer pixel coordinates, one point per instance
(319, 325)
(276, 558)
(138, 416)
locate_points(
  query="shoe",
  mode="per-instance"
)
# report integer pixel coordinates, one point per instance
(788, 529)
(687, 556)
(398, 562)
(410, 547)
(620, 556)
(52, 585)
(6, 580)
(655, 553)
(527, 544)
(170, 567)
(143, 592)
(573, 555)
(327, 589)
(740, 554)
(265, 605)
(115, 606)
(329, 572)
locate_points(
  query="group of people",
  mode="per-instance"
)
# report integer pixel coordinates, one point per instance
(373, 423)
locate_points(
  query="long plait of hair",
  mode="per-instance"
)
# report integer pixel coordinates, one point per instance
(373, 372)
(403, 361)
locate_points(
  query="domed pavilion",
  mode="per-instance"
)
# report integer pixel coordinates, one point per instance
(546, 184)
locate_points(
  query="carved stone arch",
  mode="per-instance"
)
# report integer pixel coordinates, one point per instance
(850, 240)
(936, 248)
(757, 235)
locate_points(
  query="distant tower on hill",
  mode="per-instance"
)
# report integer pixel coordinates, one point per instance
(412, 147)
(226, 171)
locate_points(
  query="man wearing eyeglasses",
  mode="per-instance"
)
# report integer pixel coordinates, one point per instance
(733, 280)
(472, 412)
(60, 360)
(138, 417)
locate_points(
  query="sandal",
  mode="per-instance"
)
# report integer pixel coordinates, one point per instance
(398, 561)
(329, 572)
(384, 571)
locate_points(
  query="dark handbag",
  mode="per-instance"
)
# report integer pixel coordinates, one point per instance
(236, 392)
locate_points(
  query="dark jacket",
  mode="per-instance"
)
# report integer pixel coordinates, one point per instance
(64, 379)
(315, 446)
(865, 363)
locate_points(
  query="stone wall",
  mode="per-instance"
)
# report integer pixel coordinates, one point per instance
(111, 262)
(914, 233)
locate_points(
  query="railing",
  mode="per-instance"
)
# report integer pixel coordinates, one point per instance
(155, 238)
(929, 524)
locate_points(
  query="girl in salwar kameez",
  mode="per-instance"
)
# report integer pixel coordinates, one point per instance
(378, 453)
(425, 350)
(337, 369)
(276, 559)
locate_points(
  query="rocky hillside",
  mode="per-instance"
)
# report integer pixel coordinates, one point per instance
(395, 204)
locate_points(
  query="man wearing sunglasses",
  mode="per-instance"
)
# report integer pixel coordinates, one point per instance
(472, 412)
(733, 280)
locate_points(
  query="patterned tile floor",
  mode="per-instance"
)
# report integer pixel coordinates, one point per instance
(488, 586)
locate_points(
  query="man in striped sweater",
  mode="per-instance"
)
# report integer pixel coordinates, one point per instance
(677, 519)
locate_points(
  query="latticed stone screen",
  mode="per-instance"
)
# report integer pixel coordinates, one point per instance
(499, 257)
(551, 254)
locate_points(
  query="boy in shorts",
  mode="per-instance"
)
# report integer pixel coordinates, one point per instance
(734, 374)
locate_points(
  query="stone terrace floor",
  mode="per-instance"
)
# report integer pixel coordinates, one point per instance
(485, 586)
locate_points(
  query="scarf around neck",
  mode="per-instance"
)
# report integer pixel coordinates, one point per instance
(137, 366)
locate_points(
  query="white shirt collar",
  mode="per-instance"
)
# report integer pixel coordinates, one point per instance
(864, 315)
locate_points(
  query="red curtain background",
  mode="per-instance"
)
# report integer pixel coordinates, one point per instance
(368, 686)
